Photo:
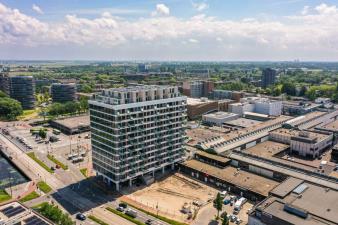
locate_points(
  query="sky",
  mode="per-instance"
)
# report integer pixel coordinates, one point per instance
(187, 30)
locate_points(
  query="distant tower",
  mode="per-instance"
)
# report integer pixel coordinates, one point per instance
(268, 77)
(22, 88)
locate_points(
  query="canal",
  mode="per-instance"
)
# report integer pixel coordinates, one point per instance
(9, 174)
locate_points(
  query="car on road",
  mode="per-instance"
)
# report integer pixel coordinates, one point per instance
(121, 209)
(149, 222)
(123, 205)
(81, 217)
(131, 213)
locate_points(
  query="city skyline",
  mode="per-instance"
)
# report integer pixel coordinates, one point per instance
(167, 30)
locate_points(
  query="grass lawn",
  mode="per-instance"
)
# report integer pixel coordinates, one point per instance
(84, 172)
(42, 164)
(30, 196)
(125, 216)
(43, 186)
(57, 162)
(97, 220)
(165, 219)
(4, 196)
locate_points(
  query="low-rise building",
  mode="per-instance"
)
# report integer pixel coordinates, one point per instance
(303, 143)
(72, 125)
(294, 108)
(296, 202)
(218, 118)
(196, 107)
(257, 105)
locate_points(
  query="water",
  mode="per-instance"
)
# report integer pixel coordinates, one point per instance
(9, 175)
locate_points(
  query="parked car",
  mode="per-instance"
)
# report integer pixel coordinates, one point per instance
(123, 205)
(121, 209)
(80, 216)
(149, 222)
(131, 213)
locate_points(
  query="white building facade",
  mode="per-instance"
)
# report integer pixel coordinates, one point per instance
(136, 131)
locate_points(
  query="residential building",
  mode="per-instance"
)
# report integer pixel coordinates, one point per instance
(295, 202)
(22, 88)
(63, 92)
(218, 118)
(268, 77)
(136, 131)
(198, 89)
(225, 94)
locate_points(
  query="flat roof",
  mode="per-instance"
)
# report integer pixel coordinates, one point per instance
(267, 149)
(239, 178)
(199, 134)
(214, 157)
(320, 202)
(297, 133)
(256, 114)
(74, 122)
(333, 126)
(286, 187)
(242, 122)
(220, 115)
(198, 101)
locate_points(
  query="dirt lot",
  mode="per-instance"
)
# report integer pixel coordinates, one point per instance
(170, 194)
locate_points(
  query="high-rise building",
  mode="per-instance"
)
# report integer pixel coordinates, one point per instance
(4, 83)
(63, 92)
(22, 88)
(268, 77)
(197, 89)
(136, 131)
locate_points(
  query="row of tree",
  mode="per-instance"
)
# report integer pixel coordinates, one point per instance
(55, 214)
(9, 108)
(57, 109)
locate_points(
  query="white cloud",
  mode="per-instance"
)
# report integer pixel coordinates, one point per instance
(305, 10)
(313, 34)
(325, 9)
(161, 10)
(200, 6)
(37, 9)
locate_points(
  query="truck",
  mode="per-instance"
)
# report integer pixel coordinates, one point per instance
(239, 203)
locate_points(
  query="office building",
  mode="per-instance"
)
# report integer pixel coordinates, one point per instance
(257, 105)
(296, 202)
(198, 89)
(196, 107)
(225, 94)
(268, 77)
(22, 88)
(63, 92)
(294, 108)
(136, 131)
(4, 83)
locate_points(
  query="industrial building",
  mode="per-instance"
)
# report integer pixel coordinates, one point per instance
(303, 143)
(22, 89)
(136, 131)
(257, 105)
(63, 92)
(295, 202)
(218, 118)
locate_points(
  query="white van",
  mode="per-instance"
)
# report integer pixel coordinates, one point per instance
(239, 203)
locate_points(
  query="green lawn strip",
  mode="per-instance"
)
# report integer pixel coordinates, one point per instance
(165, 219)
(57, 162)
(125, 216)
(84, 172)
(97, 220)
(42, 164)
(38, 206)
(43, 186)
(4, 196)
(30, 196)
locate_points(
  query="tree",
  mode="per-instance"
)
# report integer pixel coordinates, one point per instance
(218, 203)
(3, 94)
(289, 88)
(10, 108)
(42, 133)
(225, 218)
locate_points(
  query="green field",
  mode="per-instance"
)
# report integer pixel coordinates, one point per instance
(44, 187)
(30, 196)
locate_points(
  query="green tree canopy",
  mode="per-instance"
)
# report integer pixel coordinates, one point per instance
(9, 108)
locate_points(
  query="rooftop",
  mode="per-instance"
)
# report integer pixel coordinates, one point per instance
(333, 127)
(267, 149)
(319, 202)
(198, 101)
(199, 134)
(74, 122)
(313, 136)
(243, 179)
(242, 122)
(220, 115)
(214, 157)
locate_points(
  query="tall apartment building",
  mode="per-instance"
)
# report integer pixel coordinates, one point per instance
(197, 89)
(22, 88)
(268, 77)
(63, 92)
(136, 131)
